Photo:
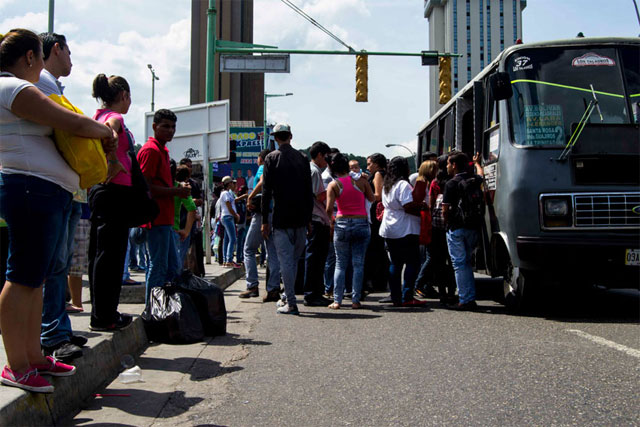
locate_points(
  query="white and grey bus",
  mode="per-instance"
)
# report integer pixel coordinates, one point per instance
(556, 124)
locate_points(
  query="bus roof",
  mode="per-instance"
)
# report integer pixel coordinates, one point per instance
(549, 43)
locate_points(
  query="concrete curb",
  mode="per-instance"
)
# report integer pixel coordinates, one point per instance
(98, 367)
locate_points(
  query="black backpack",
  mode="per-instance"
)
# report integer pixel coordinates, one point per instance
(471, 205)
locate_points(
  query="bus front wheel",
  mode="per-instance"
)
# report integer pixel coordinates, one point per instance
(518, 287)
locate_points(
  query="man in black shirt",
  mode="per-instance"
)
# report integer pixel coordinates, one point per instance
(461, 237)
(287, 181)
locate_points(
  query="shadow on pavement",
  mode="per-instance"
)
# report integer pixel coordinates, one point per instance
(346, 313)
(199, 369)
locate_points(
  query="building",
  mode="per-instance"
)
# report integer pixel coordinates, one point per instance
(477, 29)
(243, 90)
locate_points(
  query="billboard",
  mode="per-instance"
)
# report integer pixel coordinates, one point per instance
(248, 146)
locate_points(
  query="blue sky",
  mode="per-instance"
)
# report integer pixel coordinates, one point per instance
(122, 37)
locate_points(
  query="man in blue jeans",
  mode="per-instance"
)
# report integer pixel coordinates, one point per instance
(162, 242)
(254, 240)
(462, 236)
(287, 181)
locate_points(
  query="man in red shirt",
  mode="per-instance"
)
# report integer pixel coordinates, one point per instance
(164, 262)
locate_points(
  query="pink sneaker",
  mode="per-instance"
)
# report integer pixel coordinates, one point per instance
(30, 380)
(55, 368)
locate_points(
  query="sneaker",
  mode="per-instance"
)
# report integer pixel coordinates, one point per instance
(271, 296)
(281, 302)
(251, 292)
(467, 306)
(420, 293)
(30, 380)
(385, 300)
(65, 351)
(287, 309)
(78, 340)
(414, 303)
(55, 368)
(123, 321)
(235, 265)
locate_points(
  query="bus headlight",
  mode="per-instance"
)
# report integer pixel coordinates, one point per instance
(556, 211)
(556, 207)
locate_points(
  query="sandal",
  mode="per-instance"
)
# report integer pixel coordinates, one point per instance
(70, 308)
(334, 306)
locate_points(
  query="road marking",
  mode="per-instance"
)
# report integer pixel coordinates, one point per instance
(599, 340)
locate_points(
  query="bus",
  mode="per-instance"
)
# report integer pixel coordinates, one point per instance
(556, 126)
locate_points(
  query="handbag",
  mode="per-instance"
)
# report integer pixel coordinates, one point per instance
(379, 211)
(84, 155)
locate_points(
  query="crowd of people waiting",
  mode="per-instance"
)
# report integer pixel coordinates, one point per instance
(53, 231)
(327, 229)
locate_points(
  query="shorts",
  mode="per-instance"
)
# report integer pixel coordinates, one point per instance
(36, 212)
(80, 259)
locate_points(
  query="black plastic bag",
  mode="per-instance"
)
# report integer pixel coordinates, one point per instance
(170, 316)
(209, 300)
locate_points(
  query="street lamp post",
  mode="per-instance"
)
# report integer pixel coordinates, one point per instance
(400, 145)
(264, 123)
(153, 85)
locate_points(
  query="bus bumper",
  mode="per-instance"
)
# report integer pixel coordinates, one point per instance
(599, 260)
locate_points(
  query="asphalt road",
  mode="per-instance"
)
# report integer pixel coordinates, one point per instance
(575, 361)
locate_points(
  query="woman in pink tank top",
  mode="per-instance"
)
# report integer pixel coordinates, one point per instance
(351, 228)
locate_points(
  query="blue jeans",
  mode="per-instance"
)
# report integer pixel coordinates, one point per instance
(163, 256)
(461, 243)
(315, 259)
(56, 325)
(183, 248)
(34, 210)
(125, 273)
(242, 235)
(229, 224)
(290, 243)
(251, 245)
(403, 252)
(422, 278)
(330, 268)
(350, 239)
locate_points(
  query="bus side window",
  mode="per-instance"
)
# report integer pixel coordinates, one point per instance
(491, 137)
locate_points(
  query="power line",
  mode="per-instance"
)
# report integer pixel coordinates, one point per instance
(316, 23)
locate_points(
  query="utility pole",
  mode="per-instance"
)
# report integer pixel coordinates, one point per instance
(211, 51)
(51, 10)
(153, 85)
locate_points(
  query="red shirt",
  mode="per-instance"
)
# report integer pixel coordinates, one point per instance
(154, 163)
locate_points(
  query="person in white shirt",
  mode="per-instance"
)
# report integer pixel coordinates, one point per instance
(229, 217)
(400, 228)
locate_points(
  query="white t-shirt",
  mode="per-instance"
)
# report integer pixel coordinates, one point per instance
(396, 223)
(25, 147)
(227, 196)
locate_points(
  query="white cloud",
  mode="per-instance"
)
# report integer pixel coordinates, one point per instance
(32, 21)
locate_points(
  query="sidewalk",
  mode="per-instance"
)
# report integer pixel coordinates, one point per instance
(100, 363)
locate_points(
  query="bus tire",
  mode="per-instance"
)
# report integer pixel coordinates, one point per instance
(519, 287)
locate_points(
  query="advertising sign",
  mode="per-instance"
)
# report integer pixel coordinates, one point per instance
(248, 146)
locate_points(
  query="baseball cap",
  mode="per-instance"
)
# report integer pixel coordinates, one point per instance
(282, 127)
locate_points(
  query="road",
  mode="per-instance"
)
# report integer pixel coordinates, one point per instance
(576, 362)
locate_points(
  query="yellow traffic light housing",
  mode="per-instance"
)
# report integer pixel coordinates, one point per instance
(445, 79)
(362, 79)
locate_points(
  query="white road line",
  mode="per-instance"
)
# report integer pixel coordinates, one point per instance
(599, 340)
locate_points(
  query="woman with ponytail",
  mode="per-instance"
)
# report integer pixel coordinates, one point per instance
(36, 186)
(109, 229)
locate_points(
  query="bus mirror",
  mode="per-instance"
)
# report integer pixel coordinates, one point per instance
(500, 86)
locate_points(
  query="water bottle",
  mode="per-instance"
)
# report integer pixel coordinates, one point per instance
(132, 375)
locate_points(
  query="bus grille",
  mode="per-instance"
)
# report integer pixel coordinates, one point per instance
(616, 210)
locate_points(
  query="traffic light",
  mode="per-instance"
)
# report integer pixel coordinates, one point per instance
(362, 79)
(445, 79)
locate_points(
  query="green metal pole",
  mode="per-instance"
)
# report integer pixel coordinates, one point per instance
(211, 51)
(51, 10)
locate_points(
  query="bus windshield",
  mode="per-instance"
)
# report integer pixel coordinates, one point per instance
(552, 90)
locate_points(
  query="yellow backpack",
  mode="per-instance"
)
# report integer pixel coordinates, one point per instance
(84, 155)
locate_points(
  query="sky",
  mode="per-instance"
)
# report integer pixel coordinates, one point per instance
(122, 36)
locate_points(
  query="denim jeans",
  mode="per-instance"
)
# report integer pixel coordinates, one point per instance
(423, 274)
(56, 325)
(125, 273)
(403, 252)
(461, 243)
(183, 248)
(228, 222)
(242, 235)
(251, 245)
(315, 259)
(34, 210)
(330, 269)
(350, 238)
(163, 257)
(290, 244)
